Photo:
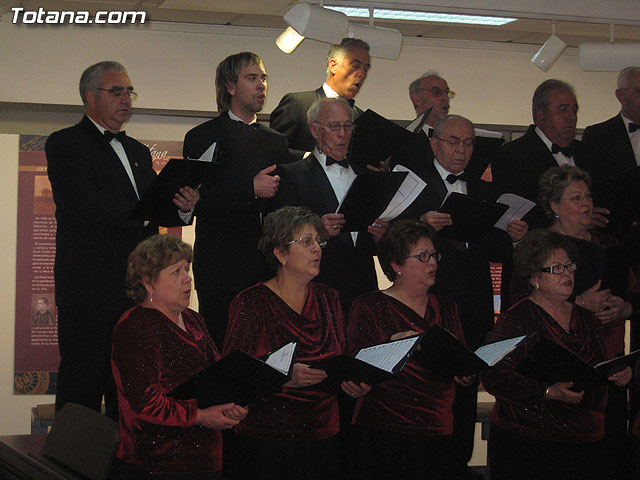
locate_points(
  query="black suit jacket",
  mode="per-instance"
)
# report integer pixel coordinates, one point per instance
(94, 197)
(228, 216)
(520, 163)
(464, 273)
(345, 267)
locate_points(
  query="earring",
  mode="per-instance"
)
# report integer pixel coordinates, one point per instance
(537, 286)
(150, 297)
(399, 273)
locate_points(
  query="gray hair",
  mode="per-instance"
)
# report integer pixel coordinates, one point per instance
(415, 85)
(338, 52)
(91, 78)
(541, 96)
(314, 110)
(624, 75)
(442, 124)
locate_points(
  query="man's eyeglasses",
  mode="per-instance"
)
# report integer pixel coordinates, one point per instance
(635, 91)
(559, 269)
(336, 126)
(119, 91)
(425, 256)
(437, 92)
(455, 141)
(307, 240)
(578, 198)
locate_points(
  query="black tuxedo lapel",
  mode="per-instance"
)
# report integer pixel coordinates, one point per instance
(435, 182)
(625, 152)
(320, 93)
(323, 185)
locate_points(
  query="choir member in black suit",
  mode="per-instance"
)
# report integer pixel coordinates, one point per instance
(542, 430)
(463, 274)
(290, 434)
(98, 175)
(226, 256)
(614, 146)
(347, 66)
(319, 182)
(407, 420)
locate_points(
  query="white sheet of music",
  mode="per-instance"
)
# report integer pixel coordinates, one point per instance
(207, 156)
(387, 355)
(518, 208)
(281, 359)
(494, 352)
(406, 194)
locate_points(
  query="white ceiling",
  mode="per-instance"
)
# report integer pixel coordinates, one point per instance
(577, 20)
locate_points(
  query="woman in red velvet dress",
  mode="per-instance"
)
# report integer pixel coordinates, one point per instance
(542, 430)
(157, 345)
(407, 420)
(291, 434)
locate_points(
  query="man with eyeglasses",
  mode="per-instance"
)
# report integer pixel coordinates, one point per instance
(464, 272)
(98, 175)
(614, 146)
(347, 66)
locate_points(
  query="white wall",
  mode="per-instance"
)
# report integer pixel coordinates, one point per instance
(175, 70)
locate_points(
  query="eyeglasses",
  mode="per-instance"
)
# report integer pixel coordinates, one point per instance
(455, 141)
(559, 269)
(336, 126)
(635, 91)
(578, 198)
(425, 256)
(437, 92)
(119, 91)
(307, 240)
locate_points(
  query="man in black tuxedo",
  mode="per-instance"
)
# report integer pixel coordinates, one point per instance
(347, 66)
(614, 146)
(463, 273)
(98, 174)
(319, 182)
(547, 143)
(226, 259)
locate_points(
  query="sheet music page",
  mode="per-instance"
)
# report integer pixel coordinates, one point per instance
(518, 208)
(207, 156)
(406, 194)
(494, 352)
(281, 359)
(387, 355)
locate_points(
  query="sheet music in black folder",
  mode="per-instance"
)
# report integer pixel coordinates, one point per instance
(238, 378)
(371, 365)
(470, 216)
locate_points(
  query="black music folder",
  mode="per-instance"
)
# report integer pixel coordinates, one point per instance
(446, 356)
(157, 201)
(471, 217)
(367, 197)
(550, 362)
(238, 378)
(371, 365)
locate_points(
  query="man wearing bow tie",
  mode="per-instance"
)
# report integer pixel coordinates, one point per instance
(98, 175)
(319, 182)
(347, 66)
(463, 273)
(547, 143)
(614, 146)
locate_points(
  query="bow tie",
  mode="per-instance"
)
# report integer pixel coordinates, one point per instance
(343, 163)
(451, 178)
(633, 127)
(110, 135)
(566, 151)
(430, 132)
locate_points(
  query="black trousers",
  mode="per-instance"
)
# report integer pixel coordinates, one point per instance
(214, 308)
(84, 342)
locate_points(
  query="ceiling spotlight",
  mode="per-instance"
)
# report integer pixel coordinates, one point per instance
(317, 23)
(549, 52)
(384, 42)
(289, 40)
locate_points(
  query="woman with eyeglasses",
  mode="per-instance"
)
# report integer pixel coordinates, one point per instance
(542, 430)
(406, 421)
(291, 434)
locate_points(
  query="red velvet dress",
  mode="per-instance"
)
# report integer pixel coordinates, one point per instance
(415, 401)
(151, 355)
(259, 323)
(520, 405)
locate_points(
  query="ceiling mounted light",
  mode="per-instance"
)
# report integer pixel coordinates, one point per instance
(317, 23)
(289, 40)
(549, 52)
(608, 57)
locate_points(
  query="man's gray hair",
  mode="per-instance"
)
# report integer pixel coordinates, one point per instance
(541, 96)
(314, 110)
(624, 75)
(442, 124)
(338, 52)
(91, 78)
(415, 85)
